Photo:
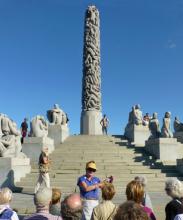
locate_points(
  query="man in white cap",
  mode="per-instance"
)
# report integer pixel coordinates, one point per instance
(89, 189)
(42, 201)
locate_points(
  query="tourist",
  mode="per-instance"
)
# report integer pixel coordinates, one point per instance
(130, 210)
(44, 162)
(5, 211)
(104, 123)
(89, 189)
(174, 189)
(24, 129)
(55, 202)
(146, 119)
(42, 201)
(71, 207)
(146, 199)
(135, 192)
(106, 209)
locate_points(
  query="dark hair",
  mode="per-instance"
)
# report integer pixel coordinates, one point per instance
(130, 211)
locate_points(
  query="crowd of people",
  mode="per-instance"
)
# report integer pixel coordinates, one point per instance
(86, 205)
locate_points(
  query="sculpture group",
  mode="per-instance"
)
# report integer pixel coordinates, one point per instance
(10, 144)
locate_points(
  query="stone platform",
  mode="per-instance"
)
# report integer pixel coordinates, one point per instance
(12, 170)
(165, 149)
(90, 123)
(32, 146)
(137, 134)
(58, 133)
(179, 136)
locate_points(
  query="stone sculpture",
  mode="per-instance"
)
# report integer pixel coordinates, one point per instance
(178, 126)
(138, 119)
(39, 127)
(10, 145)
(91, 94)
(56, 116)
(166, 128)
(154, 126)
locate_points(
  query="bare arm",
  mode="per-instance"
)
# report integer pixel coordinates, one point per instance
(90, 188)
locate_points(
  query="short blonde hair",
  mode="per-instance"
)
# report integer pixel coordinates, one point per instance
(56, 196)
(108, 191)
(135, 191)
(5, 195)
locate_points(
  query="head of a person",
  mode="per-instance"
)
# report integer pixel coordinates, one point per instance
(155, 115)
(43, 197)
(176, 118)
(130, 211)
(142, 180)
(104, 115)
(137, 106)
(56, 106)
(5, 196)
(167, 114)
(135, 191)
(56, 196)
(91, 168)
(174, 188)
(108, 191)
(71, 207)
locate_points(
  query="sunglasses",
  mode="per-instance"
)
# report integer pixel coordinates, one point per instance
(91, 170)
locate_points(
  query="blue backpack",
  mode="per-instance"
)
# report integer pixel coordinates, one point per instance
(6, 214)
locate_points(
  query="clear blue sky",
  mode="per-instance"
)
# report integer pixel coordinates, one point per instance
(41, 43)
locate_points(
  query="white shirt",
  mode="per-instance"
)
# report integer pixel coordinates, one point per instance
(179, 217)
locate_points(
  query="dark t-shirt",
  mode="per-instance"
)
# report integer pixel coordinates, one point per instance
(24, 126)
(173, 208)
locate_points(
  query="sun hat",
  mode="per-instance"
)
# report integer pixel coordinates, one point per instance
(91, 164)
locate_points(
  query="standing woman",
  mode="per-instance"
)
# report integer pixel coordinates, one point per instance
(44, 163)
(89, 189)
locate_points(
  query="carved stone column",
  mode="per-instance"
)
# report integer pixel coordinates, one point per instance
(91, 84)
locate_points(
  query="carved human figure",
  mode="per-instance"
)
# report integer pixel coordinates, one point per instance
(131, 117)
(56, 116)
(10, 145)
(138, 119)
(39, 127)
(166, 128)
(154, 126)
(91, 94)
(178, 126)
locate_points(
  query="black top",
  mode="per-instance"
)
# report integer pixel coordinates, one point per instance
(24, 126)
(173, 208)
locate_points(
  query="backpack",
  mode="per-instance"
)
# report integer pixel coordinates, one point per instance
(6, 214)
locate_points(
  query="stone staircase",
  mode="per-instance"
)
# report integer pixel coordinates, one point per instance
(114, 157)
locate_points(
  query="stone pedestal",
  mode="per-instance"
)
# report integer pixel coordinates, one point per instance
(137, 134)
(179, 136)
(165, 149)
(12, 169)
(90, 123)
(32, 146)
(180, 165)
(58, 133)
